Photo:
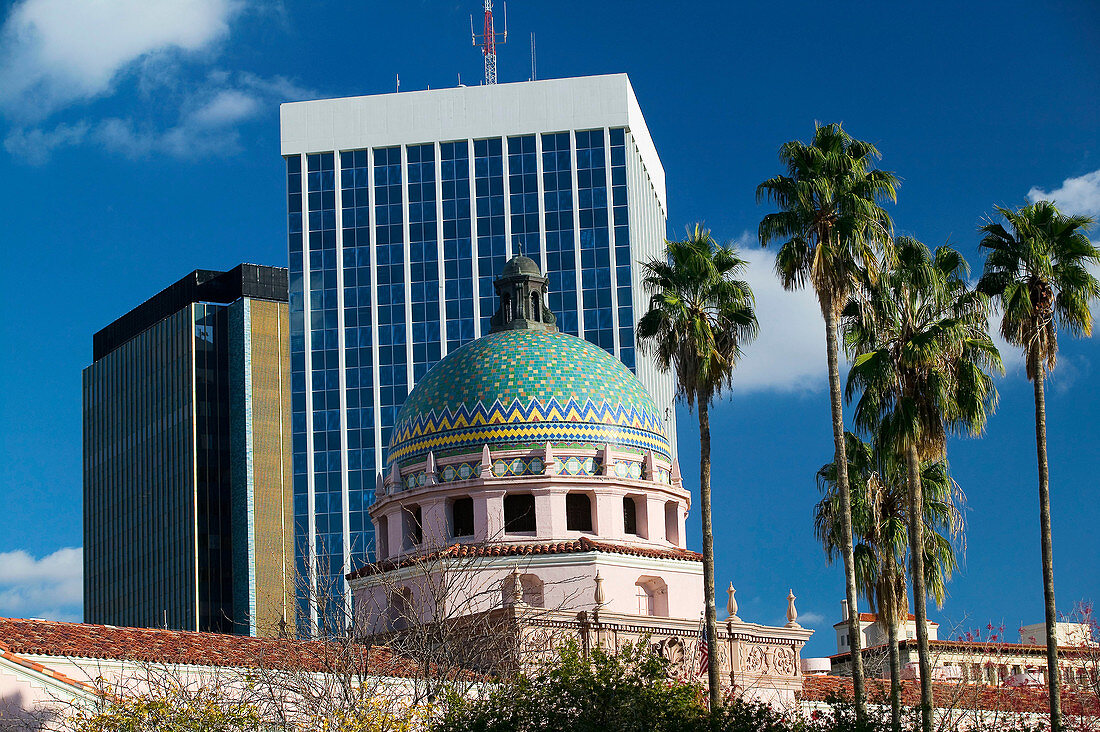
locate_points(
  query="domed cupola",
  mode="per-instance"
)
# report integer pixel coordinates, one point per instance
(523, 385)
(521, 288)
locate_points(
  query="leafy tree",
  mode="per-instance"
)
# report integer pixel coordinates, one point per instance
(601, 692)
(1038, 274)
(700, 315)
(829, 221)
(879, 522)
(924, 369)
(179, 710)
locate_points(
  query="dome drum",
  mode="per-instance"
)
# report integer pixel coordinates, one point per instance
(571, 461)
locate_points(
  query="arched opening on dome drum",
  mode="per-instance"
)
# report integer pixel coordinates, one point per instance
(414, 527)
(630, 516)
(462, 517)
(506, 306)
(382, 542)
(672, 522)
(519, 513)
(578, 512)
(536, 311)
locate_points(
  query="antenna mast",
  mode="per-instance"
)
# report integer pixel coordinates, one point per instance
(488, 41)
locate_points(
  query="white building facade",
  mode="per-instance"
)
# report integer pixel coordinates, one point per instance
(402, 209)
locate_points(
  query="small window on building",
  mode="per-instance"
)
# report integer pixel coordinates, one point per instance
(535, 309)
(506, 306)
(462, 517)
(578, 512)
(382, 548)
(672, 522)
(519, 513)
(652, 596)
(414, 528)
(630, 516)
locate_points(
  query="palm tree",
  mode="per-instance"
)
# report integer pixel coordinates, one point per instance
(1038, 275)
(879, 520)
(829, 221)
(924, 369)
(700, 315)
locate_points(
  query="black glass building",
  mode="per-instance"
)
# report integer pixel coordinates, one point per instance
(187, 489)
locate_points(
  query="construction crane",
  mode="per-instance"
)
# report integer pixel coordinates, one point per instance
(489, 39)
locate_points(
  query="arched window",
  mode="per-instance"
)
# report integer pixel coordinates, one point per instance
(519, 513)
(630, 516)
(462, 517)
(414, 527)
(652, 596)
(578, 512)
(672, 522)
(382, 544)
(535, 314)
(506, 306)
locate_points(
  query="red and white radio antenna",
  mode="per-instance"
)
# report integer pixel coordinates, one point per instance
(489, 39)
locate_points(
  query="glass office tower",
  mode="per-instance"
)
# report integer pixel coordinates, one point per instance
(187, 495)
(401, 210)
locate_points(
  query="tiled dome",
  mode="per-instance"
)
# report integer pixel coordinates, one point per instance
(524, 388)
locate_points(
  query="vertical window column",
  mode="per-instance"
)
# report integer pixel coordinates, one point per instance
(561, 269)
(491, 245)
(300, 455)
(621, 234)
(595, 239)
(457, 252)
(358, 359)
(523, 195)
(423, 258)
(325, 377)
(390, 271)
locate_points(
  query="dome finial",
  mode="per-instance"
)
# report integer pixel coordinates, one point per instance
(521, 289)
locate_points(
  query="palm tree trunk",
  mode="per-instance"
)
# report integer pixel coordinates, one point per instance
(916, 570)
(708, 556)
(841, 459)
(895, 657)
(1054, 682)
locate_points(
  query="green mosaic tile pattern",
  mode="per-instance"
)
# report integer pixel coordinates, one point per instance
(526, 377)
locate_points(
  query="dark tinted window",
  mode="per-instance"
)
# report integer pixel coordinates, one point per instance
(630, 515)
(519, 513)
(462, 517)
(578, 512)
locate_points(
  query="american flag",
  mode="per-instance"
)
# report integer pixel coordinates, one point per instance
(704, 651)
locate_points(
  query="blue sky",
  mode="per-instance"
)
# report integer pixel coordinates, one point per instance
(140, 141)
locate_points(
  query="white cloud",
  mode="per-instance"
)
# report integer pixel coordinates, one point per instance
(1076, 195)
(206, 124)
(789, 353)
(56, 52)
(810, 618)
(50, 587)
(36, 145)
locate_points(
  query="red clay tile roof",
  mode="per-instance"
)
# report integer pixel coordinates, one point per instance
(994, 647)
(957, 695)
(8, 655)
(872, 617)
(150, 645)
(583, 544)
